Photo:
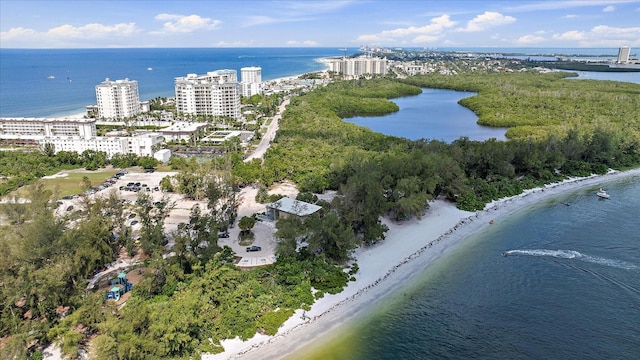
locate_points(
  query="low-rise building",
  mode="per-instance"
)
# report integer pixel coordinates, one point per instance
(75, 135)
(220, 136)
(21, 127)
(162, 155)
(290, 207)
(183, 131)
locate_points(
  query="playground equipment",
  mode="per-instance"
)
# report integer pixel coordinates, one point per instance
(121, 286)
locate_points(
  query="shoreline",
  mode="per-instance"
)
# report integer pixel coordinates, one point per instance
(386, 266)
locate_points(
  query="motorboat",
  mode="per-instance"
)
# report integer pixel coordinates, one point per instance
(602, 194)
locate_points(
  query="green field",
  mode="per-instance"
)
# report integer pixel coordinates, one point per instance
(72, 183)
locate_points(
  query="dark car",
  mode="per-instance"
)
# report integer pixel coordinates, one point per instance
(132, 215)
(253, 248)
(134, 222)
(70, 207)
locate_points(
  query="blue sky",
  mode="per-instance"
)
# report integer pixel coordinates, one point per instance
(408, 23)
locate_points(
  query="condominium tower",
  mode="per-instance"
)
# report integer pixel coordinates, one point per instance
(215, 93)
(251, 80)
(623, 55)
(356, 67)
(118, 99)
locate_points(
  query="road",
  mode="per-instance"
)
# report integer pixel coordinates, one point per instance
(269, 135)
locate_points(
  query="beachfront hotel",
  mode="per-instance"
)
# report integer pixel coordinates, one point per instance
(356, 67)
(117, 99)
(216, 93)
(251, 80)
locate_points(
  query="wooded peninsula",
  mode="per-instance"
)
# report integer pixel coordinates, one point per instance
(187, 303)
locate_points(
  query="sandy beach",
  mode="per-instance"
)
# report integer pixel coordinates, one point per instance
(408, 248)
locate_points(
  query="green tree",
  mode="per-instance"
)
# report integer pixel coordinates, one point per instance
(147, 162)
(246, 223)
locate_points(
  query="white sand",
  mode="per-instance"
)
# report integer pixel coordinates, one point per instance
(409, 247)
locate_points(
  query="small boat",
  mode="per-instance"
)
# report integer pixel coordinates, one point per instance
(602, 194)
(51, 77)
(150, 68)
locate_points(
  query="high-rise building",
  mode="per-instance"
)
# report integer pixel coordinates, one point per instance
(118, 99)
(353, 68)
(623, 55)
(251, 80)
(215, 93)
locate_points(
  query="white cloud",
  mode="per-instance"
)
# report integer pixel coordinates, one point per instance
(572, 35)
(530, 39)
(303, 43)
(68, 34)
(175, 23)
(602, 36)
(417, 34)
(609, 8)
(234, 44)
(487, 20)
(18, 33)
(91, 31)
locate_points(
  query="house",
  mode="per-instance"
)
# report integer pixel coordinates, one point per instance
(290, 207)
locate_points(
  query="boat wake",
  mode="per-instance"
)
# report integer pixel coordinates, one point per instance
(571, 254)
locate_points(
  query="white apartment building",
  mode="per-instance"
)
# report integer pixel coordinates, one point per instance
(216, 93)
(141, 145)
(70, 134)
(16, 128)
(117, 99)
(251, 80)
(354, 68)
(623, 54)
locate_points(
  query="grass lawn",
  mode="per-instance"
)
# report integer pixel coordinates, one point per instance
(72, 183)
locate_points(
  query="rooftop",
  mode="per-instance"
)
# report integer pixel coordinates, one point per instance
(295, 207)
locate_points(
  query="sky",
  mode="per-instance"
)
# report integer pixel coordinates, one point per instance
(341, 23)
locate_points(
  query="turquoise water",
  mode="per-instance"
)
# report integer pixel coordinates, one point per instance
(26, 89)
(433, 114)
(569, 289)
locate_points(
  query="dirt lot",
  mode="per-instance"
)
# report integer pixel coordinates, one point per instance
(263, 231)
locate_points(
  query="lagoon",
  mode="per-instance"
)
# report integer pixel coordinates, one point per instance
(434, 114)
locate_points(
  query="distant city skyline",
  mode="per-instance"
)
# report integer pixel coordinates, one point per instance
(376, 23)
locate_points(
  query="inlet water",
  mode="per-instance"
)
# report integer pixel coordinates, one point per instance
(434, 114)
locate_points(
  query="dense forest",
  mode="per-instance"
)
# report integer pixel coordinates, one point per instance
(187, 303)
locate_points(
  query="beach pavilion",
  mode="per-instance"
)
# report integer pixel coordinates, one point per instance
(290, 207)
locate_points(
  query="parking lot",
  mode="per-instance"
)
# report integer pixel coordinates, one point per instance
(129, 185)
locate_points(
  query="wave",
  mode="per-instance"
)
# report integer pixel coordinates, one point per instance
(572, 254)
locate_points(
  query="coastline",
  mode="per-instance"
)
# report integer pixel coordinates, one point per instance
(387, 266)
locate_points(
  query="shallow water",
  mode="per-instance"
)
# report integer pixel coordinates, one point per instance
(568, 289)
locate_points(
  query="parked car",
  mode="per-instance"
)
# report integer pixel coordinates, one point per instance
(132, 215)
(223, 234)
(134, 222)
(253, 248)
(70, 207)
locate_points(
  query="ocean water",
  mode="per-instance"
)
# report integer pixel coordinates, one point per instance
(434, 114)
(568, 289)
(55, 82)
